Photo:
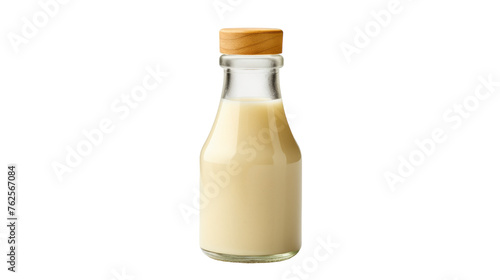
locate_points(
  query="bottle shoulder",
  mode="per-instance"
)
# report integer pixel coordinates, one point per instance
(256, 130)
(265, 146)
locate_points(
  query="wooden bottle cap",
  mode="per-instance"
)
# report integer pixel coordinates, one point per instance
(251, 40)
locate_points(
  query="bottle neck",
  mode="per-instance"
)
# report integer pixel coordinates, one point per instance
(251, 76)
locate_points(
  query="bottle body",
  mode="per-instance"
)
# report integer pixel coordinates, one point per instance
(250, 170)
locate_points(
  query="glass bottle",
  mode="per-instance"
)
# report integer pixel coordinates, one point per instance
(250, 165)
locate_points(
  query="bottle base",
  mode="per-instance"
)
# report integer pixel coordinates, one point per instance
(250, 258)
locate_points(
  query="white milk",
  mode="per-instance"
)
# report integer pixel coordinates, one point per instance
(250, 181)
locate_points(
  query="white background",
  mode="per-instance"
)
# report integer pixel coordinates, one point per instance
(117, 214)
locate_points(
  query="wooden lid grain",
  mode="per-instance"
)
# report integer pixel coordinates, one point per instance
(251, 40)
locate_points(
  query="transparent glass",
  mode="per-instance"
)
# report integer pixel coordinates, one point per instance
(250, 168)
(251, 76)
